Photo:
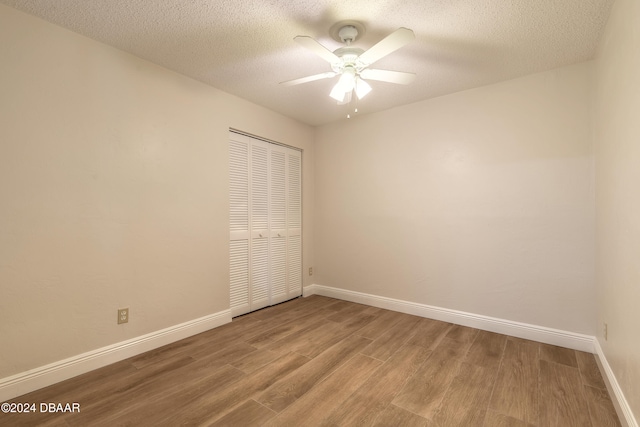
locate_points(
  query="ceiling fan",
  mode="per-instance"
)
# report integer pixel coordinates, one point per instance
(352, 63)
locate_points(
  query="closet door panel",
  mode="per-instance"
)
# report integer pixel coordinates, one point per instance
(294, 224)
(278, 223)
(259, 196)
(239, 227)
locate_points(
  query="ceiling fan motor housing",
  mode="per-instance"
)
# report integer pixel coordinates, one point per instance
(348, 58)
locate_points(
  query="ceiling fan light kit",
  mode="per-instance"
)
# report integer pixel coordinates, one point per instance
(351, 63)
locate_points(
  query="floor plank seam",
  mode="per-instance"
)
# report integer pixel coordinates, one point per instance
(493, 388)
(591, 414)
(253, 399)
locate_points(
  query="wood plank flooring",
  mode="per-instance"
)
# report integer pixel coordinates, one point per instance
(318, 361)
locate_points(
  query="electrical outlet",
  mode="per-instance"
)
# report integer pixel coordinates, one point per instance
(123, 315)
(310, 271)
(606, 332)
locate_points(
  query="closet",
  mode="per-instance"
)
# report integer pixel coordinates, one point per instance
(265, 230)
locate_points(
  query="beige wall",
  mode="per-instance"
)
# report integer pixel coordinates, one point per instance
(480, 201)
(617, 140)
(113, 193)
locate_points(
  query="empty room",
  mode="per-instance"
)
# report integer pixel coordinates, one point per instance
(270, 213)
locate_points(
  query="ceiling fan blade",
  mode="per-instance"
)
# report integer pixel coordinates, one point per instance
(391, 43)
(317, 48)
(307, 79)
(399, 77)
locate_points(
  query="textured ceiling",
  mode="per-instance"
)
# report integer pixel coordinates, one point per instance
(246, 47)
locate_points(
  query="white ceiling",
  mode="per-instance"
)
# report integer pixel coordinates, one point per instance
(246, 47)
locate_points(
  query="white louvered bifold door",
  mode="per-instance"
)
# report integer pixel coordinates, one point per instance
(259, 225)
(278, 224)
(294, 224)
(265, 224)
(239, 226)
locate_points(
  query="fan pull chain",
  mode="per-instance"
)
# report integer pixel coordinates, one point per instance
(355, 110)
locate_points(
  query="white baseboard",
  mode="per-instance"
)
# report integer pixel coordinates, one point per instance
(619, 401)
(44, 376)
(515, 329)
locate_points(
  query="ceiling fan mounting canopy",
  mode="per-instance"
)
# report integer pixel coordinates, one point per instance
(348, 34)
(335, 29)
(351, 63)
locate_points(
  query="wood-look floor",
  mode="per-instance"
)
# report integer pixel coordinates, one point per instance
(321, 361)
